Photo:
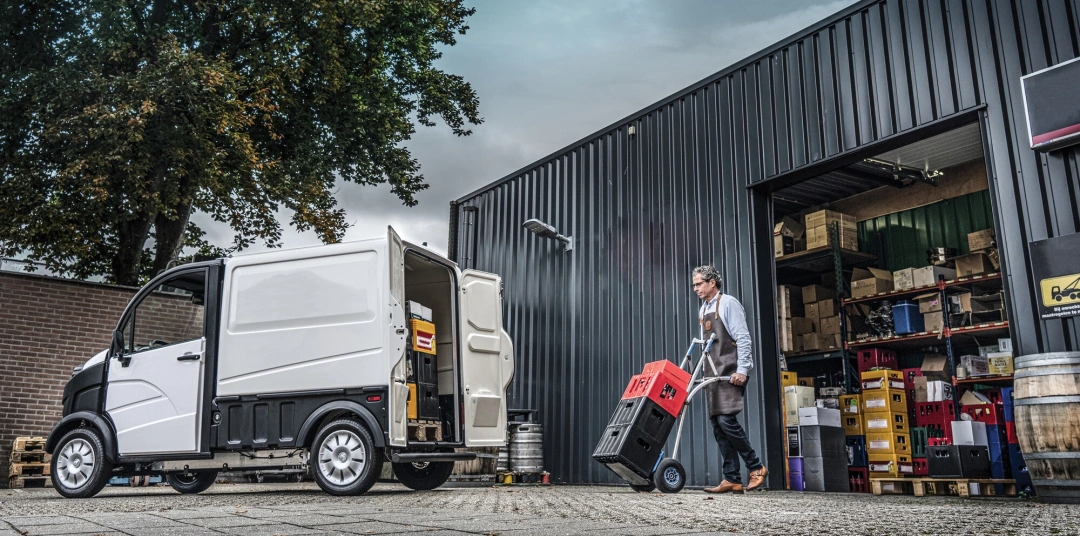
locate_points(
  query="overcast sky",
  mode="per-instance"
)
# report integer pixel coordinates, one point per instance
(549, 72)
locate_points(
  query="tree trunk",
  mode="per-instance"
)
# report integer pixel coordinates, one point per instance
(169, 233)
(126, 264)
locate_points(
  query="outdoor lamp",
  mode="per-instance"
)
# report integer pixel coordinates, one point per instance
(544, 230)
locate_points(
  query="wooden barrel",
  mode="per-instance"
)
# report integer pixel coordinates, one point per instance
(1047, 410)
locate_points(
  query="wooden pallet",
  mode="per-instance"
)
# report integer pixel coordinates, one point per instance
(36, 456)
(28, 444)
(921, 487)
(20, 482)
(29, 469)
(425, 430)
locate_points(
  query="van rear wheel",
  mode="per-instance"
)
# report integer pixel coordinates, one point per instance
(422, 476)
(79, 467)
(343, 458)
(192, 482)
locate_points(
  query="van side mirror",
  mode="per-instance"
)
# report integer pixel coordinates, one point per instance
(116, 349)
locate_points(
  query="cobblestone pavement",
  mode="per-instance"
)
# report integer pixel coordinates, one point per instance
(288, 509)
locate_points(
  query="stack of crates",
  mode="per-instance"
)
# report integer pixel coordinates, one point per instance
(1017, 466)
(851, 416)
(885, 418)
(421, 367)
(796, 396)
(633, 442)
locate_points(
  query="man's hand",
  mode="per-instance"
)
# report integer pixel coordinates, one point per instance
(738, 379)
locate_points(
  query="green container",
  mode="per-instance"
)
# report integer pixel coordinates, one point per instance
(920, 438)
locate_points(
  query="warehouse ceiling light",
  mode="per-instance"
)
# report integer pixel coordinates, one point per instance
(544, 230)
(898, 175)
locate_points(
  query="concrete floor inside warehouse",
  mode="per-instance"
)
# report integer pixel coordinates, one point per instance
(289, 509)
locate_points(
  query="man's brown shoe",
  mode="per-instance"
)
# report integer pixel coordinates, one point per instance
(725, 487)
(757, 478)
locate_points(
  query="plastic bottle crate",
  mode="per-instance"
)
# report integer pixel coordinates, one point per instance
(634, 439)
(920, 439)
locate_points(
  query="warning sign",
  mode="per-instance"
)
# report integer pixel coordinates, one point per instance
(1056, 268)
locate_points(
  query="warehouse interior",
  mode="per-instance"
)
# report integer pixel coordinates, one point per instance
(895, 341)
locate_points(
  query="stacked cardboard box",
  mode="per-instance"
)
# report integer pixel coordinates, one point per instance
(822, 317)
(789, 306)
(818, 230)
(983, 257)
(788, 237)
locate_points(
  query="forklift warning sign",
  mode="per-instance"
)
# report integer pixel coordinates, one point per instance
(1056, 268)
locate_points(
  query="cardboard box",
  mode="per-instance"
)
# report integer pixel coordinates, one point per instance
(936, 367)
(974, 398)
(1005, 345)
(1000, 363)
(795, 397)
(816, 293)
(783, 245)
(976, 365)
(885, 401)
(928, 275)
(827, 217)
(974, 264)
(881, 422)
(815, 416)
(882, 379)
(821, 236)
(789, 227)
(788, 378)
(995, 260)
(888, 443)
(934, 322)
(932, 390)
(826, 308)
(969, 433)
(787, 337)
(960, 303)
(829, 325)
(929, 302)
(986, 303)
(811, 313)
(903, 279)
(987, 350)
(789, 301)
(806, 381)
(801, 325)
(819, 341)
(869, 282)
(980, 240)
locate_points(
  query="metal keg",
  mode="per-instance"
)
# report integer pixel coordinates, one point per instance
(503, 463)
(527, 447)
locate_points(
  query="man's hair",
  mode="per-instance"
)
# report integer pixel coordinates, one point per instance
(708, 273)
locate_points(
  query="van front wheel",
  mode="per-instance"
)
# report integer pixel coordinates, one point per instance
(344, 458)
(79, 466)
(422, 476)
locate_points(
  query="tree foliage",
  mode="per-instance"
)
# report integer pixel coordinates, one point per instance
(120, 118)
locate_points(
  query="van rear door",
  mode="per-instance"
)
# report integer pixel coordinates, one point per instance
(487, 358)
(398, 405)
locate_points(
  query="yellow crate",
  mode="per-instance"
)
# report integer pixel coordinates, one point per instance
(853, 424)
(788, 378)
(888, 443)
(413, 402)
(423, 336)
(884, 401)
(873, 380)
(890, 464)
(886, 422)
(850, 405)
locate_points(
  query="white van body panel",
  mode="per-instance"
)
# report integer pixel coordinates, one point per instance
(305, 319)
(487, 358)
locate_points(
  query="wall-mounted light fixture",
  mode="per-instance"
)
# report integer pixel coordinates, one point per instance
(544, 230)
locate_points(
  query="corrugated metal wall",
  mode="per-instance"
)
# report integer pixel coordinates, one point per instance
(907, 234)
(691, 186)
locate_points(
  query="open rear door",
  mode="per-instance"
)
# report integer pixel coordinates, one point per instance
(487, 359)
(398, 405)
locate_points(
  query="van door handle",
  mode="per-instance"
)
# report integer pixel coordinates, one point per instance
(188, 357)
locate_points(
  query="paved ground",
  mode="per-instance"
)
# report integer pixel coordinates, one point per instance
(288, 509)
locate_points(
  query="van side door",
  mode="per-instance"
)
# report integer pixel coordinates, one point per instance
(487, 358)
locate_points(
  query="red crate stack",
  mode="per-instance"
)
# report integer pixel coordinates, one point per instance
(920, 467)
(876, 358)
(991, 414)
(662, 382)
(859, 477)
(937, 415)
(909, 385)
(1010, 433)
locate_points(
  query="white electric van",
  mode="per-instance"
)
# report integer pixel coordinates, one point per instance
(291, 359)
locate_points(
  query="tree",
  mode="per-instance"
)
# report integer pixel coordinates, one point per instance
(120, 118)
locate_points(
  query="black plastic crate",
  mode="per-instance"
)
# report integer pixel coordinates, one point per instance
(421, 368)
(427, 402)
(634, 439)
(958, 461)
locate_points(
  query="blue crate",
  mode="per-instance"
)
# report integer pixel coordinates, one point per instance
(907, 318)
(856, 447)
(1019, 468)
(997, 444)
(1007, 401)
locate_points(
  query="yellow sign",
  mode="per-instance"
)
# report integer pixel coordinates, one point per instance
(1063, 290)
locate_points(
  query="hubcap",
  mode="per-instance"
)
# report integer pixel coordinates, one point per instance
(342, 457)
(75, 463)
(671, 476)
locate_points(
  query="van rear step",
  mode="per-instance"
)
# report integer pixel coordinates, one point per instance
(407, 457)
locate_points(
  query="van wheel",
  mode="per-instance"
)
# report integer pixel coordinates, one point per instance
(192, 482)
(344, 459)
(79, 467)
(422, 476)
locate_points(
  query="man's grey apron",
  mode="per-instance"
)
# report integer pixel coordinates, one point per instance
(724, 398)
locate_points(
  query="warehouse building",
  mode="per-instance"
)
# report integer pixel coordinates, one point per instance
(907, 119)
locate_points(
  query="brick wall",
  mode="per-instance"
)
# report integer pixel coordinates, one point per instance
(47, 327)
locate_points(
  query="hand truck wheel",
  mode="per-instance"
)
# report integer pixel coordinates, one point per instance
(670, 477)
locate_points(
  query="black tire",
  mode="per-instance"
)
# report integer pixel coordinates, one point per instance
(643, 488)
(670, 477)
(343, 458)
(196, 482)
(77, 450)
(424, 475)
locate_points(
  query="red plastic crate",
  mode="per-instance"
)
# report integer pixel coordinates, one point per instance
(987, 413)
(859, 477)
(909, 377)
(934, 413)
(920, 467)
(939, 441)
(876, 357)
(1010, 433)
(944, 432)
(663, 384)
